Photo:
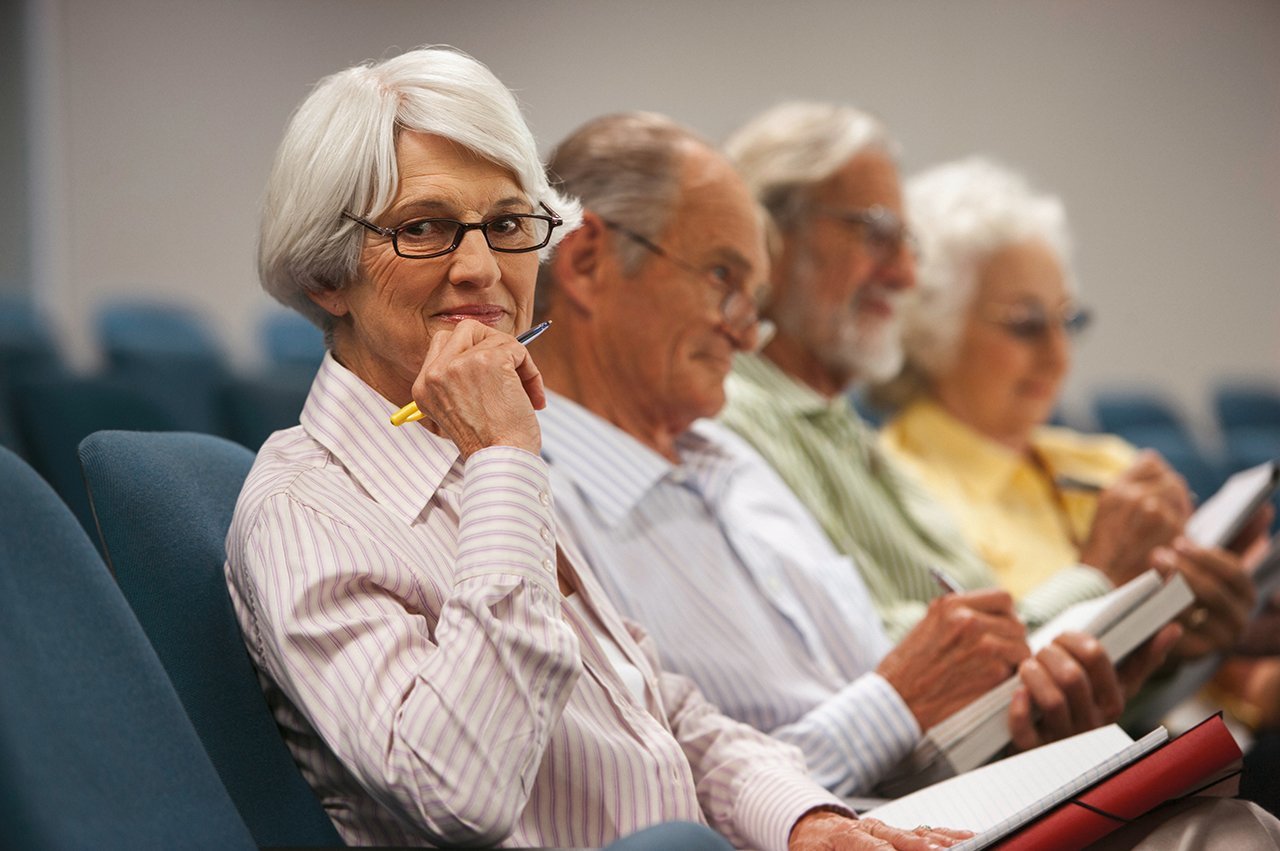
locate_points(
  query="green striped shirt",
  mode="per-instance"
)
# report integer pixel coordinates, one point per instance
(873, 510)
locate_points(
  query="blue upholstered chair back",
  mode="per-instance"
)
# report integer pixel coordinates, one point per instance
(255, 406)
(292, 342)
(1241, 405)
(95, 749)
(131, 331)
(26, 338)
(54, 413)
(170, 355)
(163, 503)
(1120, 411)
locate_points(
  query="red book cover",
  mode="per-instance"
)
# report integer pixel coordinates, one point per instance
(1176, 768)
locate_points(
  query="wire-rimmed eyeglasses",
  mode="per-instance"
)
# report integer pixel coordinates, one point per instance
(883, 231)
(1031, 322)
(510, 233)
(738, 310)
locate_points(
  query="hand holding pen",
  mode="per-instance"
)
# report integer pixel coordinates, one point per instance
(410, 413)
(945, 582)
(478, 387)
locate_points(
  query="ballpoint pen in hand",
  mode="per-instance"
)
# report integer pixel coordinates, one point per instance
(1071, 483)
(410, 413)
(946, 583)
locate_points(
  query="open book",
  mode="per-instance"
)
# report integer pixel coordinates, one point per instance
(1071, 792)
(1035, 795)
(966, 739)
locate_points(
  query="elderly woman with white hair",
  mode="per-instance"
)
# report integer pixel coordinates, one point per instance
(987, 342)
(439, 668)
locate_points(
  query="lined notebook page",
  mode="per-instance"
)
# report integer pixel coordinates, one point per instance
(997, 798)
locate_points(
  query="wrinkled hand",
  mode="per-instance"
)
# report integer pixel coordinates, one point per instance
(1072, 686)
(1224, 597)
(479, 387)
(1148, 659)
(1253, 540)
(1145, 508)
(1262, 635)
(965, 645)
(827, 831)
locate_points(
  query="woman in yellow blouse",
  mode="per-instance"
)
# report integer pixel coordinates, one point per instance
(988, 345)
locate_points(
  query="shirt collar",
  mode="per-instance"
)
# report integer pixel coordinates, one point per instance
(791, 398)
(985, 466)
(401, 468)
(612, 469)
(786, 393)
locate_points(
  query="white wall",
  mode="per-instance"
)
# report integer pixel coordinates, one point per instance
(1157, 120)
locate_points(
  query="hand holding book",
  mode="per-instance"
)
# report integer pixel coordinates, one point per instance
(1037, 715)
(965, 645)
(1121, 621)
(1224, 598)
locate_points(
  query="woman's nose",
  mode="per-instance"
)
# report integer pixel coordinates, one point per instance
(473, 261)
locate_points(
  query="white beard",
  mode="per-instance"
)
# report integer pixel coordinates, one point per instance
(873, 348)
(858, 348)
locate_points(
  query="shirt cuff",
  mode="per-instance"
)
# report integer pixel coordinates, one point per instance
(854, 738)
(1064, 589)
(507, 523)
(774, 800)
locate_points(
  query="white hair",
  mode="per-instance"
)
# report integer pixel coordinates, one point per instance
(783, 154)
(339, 154)
(962, 213)
(788, 149)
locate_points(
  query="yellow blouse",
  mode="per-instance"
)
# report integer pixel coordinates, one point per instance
(1026, 528)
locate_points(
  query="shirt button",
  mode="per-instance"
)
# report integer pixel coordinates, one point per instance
(549, 565)
(546, 534)
(544, 497)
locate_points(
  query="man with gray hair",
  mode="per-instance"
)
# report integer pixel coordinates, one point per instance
(827, 176)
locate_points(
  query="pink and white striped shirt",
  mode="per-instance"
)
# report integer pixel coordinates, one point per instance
(402, 608)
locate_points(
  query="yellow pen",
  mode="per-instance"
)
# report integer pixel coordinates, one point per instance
(410, 413)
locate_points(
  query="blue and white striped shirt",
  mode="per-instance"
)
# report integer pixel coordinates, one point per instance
(738, 585)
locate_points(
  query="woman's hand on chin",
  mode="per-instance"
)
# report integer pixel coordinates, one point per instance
(478, 387)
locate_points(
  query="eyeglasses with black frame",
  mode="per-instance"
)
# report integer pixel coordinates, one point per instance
(738, 311)
(883, 230)
(510, 233)
(1031, 322)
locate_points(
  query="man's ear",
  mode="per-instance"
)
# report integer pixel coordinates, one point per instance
(580, 262)
(333, 302)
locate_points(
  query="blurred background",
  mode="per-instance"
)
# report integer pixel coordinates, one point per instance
(136, 137)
